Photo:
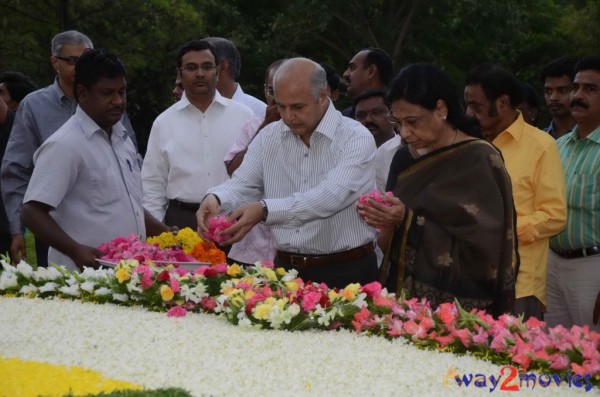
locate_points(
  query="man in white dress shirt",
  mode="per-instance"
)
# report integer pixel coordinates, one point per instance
(230, 64)
(302, 176)
(189, 140)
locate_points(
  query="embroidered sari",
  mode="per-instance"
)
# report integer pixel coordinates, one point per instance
(457, 236)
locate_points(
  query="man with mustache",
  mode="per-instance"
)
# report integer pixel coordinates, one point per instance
(557, 77)
(86, 187)
(573, 276)
(371, 110)
(189, 140)
(370, 69)
(531, 157)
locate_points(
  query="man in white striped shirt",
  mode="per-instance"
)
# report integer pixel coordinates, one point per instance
(302, 176)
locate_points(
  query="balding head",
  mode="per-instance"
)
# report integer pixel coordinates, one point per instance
(305, 72)
(300, 87)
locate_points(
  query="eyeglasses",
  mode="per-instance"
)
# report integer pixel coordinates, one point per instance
(390, 117)
(269, 90)
(69, 60)
(193, 67)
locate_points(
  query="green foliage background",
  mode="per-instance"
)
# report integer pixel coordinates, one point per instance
(454, 34)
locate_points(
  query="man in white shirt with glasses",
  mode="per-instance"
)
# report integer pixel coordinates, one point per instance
(189, 140)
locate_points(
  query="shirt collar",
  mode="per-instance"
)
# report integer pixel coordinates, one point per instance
(184, 102)
(516, 128)
(58, 91)
(593, 136)
(89, 126)
(328, 124)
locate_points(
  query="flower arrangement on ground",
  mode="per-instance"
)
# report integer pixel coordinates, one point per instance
(264, 297)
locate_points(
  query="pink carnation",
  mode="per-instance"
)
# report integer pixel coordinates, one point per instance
(216, 225)
(177, 311)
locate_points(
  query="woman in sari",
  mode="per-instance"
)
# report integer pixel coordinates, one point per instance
(448, 231)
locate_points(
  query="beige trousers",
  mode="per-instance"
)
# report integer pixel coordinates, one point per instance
(571, 290)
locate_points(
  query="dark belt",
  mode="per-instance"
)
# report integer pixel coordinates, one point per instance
(191, 207)
(579, 253)
(302, 260)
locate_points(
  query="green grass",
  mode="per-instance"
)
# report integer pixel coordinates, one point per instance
(30, 246)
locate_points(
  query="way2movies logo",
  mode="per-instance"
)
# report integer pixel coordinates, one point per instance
(510, 379)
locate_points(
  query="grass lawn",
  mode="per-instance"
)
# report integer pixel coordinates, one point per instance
(30, 246)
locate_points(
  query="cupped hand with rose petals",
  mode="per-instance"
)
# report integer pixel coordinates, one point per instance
(381, 211)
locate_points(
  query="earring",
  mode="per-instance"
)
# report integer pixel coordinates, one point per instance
(444, 117)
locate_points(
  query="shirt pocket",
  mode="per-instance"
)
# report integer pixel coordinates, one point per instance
(104, 188)
(133, 179)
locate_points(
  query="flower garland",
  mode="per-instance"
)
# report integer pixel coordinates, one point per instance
(264, 297)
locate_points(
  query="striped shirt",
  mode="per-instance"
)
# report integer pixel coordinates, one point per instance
(581, 161)
(310, 192)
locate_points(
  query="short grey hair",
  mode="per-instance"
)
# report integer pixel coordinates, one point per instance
(69, 37)
(226, 50)
(318, 81)
(318, 78)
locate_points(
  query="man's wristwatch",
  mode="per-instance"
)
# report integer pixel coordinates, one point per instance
(265, 210)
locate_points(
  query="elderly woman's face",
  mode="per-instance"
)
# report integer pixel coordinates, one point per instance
(419, 127)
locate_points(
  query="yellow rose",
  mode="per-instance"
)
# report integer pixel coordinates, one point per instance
(227, 291)
(249, 294)
(262, 310)
(280, 271)
(292, 285)
(234, 270)
(333, 295)
(270, 274)
(166, 293)
(122, 275)
(350, 291)
(237, 301)
(248, 280)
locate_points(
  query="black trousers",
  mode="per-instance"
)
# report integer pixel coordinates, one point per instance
(362, 271)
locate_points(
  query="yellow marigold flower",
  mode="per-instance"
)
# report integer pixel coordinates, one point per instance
(234, 270)
(166, 293)
(280, 271)
(262, 310)
(122, 275)
(270, 274)
(350, 291)
(292, 285)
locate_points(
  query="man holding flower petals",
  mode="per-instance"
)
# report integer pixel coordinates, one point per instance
(302, 176)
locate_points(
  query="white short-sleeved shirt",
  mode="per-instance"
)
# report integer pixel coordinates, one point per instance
(91, 180)
(186, 150)
(383, 159)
